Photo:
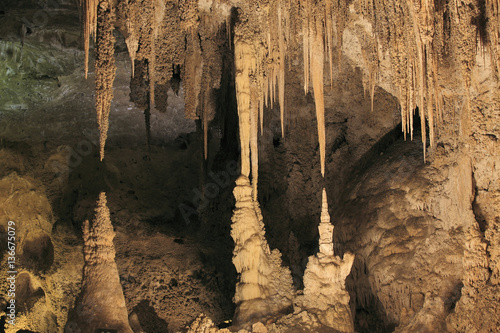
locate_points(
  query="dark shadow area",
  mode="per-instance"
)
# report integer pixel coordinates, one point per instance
(38, 253)
(149, 320)
(26, 294)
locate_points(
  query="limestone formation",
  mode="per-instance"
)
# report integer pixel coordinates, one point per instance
(105, 69)
(265, 287)
(325, 294)
(423, 222)
(203, 324)
(101, 304)
(478, 308)
(89, 27)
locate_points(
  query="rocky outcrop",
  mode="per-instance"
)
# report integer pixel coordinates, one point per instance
(101, 304)
(265, 286)
(478, 308)
(405, 222)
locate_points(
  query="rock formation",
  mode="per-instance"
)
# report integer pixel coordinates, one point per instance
(101, 304)
(433, 208)
(265, 287)
(325, 295)
(105, 68)
(478, 308)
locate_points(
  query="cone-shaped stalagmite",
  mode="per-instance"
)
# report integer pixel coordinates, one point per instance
(101, 304)
(324, 280)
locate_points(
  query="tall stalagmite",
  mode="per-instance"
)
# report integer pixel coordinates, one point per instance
(265, 287)
(101, 304)
(324, 280)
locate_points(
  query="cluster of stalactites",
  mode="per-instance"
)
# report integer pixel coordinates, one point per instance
(322, 26)
(260, 59)
(416, 35)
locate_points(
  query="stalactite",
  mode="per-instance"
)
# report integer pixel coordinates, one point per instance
(151, 71)
(131, 32)
(493, 26)
(105, 69)
(329, 36)
(89, 27)
(281, 78)
(306, 17)
(147, 120)
(245, 63)
(317, 63)
(192, 75)
(132, 42)
(254, 129)
(158, 15)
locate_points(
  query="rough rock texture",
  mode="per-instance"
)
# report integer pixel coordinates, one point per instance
(325, 295)
(101, 304)
(437, 59)
(47, 259)
(265, 286)
(397, 218)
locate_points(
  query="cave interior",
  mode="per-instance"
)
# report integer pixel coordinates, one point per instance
(260, 166)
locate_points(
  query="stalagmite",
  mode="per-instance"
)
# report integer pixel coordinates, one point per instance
(101, 304)
(324, 280)
(105, 69)
(325, 229)
(265, 287)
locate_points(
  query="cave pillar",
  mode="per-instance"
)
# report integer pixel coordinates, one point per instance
(265, 287)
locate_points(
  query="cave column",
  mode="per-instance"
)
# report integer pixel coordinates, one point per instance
(265, 287)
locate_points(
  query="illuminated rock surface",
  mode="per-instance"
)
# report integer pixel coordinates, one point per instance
(186, 99)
